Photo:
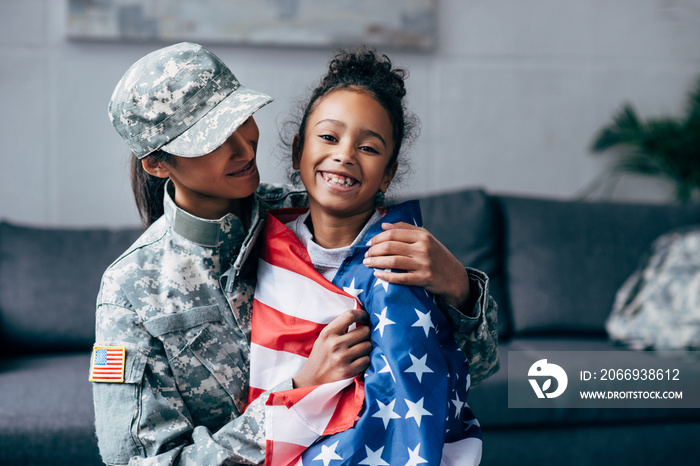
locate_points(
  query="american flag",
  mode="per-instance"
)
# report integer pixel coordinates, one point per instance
(414, 409)
(107, 364)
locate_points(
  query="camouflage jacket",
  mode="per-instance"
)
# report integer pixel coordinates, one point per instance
(179, 301)
(658, 306)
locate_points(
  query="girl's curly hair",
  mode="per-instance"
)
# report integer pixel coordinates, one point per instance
(364, 70)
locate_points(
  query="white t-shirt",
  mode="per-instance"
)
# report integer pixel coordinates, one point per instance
(326, 261)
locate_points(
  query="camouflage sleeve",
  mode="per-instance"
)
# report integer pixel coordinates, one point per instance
(144, 420)
(477, 336)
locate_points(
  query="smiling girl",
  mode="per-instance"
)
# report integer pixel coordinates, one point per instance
(346, 153)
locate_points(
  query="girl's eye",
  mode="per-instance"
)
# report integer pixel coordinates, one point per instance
(328, 137)
(369, 149)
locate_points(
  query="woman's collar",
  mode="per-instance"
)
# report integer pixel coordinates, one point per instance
(202, 231)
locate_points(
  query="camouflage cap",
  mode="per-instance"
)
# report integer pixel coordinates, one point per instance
(182, 99)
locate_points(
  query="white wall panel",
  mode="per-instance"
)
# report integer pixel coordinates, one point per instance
(24, 134)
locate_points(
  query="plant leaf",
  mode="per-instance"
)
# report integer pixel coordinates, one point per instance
(625, 129)
(665, 147)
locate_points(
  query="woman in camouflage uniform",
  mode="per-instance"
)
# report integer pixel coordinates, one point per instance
(171, 360)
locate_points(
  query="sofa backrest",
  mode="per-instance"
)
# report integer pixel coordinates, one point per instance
(565, 260)
(49, 279)
(465, 223)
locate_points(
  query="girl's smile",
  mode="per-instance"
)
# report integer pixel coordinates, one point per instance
(339, 180)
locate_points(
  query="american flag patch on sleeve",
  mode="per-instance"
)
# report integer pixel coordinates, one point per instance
(107, 364)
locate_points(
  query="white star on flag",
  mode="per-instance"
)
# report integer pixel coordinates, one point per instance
(384, 283)
(383, 321)
(419, 366)
(458, 403)
(386, 368)
(473, 422)
(386, 412)
(416, 410)
(351, 290)
(424, 321)
(328, 454)
(414, 458)
(374, 458)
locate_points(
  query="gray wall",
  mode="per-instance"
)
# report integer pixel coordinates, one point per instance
(509, 100)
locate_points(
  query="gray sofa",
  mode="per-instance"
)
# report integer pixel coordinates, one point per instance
(554, 266)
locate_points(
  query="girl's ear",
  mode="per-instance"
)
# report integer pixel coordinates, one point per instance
(388, 176)
(296, 152)
(155, 167)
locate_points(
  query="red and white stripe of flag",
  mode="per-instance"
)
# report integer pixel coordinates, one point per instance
(293, 303)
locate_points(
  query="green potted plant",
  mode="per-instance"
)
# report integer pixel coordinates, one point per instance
(668, 147)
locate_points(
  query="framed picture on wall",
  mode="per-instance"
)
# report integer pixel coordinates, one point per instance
(312, 23)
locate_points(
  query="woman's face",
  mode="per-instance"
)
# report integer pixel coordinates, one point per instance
(347, 148)
(212, 185)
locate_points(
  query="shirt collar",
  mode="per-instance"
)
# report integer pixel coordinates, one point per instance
(205, 232)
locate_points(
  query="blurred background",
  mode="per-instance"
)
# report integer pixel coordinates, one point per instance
(510, 94)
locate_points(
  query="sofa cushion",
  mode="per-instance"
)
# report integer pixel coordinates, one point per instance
(464, 222)
(565, 260)
(49, 279)
(46, 411)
